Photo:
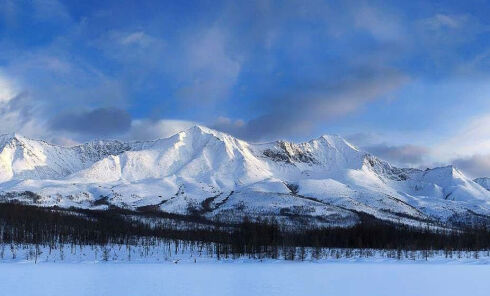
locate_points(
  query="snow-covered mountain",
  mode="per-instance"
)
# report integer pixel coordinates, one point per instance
(484, 182)
(201, 171)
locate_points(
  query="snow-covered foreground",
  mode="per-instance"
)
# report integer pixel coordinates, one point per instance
(244, 279)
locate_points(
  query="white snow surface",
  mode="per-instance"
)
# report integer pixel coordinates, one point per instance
(438, 276)
(326, 179)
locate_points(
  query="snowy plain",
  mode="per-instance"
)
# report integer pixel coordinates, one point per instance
(159, 270)
(280, 278)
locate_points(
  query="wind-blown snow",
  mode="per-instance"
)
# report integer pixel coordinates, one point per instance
(216, 175)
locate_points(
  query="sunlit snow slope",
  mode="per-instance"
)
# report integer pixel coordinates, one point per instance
(326, 181)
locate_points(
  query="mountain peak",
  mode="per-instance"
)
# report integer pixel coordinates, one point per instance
(11, 138)
(336, 141)
(202, 130)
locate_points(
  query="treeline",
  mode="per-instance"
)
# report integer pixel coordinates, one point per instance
(21, 224)
(252, 237)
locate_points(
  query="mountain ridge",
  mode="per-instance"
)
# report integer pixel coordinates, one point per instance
(324, 181)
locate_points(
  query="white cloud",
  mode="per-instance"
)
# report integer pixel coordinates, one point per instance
(56, 82)
(471, 139)
(139, 39)
(7, 89)
(440, 21)
(199, 62)
(210, 70)
(136, 37)
(380, 24)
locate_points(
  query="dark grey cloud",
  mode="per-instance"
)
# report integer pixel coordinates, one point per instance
(97, 122)
(406, 155)
(475, 166)
(297, 110)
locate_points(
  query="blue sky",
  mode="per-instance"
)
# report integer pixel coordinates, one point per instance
(406, 80)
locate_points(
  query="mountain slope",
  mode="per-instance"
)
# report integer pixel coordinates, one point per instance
(326, 181)
(483, 182)
(22, 158)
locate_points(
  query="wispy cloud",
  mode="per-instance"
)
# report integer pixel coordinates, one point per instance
(209, 70)
(441, 21)
(470, 139)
